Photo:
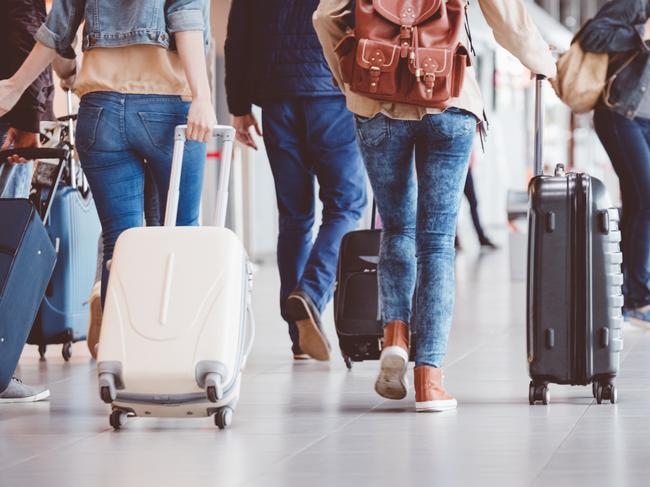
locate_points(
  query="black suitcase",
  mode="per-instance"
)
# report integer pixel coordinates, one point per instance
(357, 311)
(27, 259)
(575, 299)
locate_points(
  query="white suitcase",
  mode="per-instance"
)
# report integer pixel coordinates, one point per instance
(177, 325)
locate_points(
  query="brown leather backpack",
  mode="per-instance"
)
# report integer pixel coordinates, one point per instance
(406, 51)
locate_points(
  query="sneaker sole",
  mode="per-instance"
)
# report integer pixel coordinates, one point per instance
(310, 339)
(435, 406)
(392, 380)
(38, 397)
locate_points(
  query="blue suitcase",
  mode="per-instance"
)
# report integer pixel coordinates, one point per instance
(27, 259)
(74, 229)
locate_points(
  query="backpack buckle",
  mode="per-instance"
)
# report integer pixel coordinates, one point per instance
(375, 72)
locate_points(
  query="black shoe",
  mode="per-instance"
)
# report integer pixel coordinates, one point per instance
(486, 243)
(302, 311)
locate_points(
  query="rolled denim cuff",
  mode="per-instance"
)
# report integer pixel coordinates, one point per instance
(185, 20)
(48, 38)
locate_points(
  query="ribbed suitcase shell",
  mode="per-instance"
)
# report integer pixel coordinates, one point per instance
(74, 228)
(575, 282)
(27, 259)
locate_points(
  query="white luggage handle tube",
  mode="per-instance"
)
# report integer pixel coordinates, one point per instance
(227, 136)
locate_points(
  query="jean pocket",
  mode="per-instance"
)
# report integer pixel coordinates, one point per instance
(373, 131)
(86, 129)
(160, 129)
(452, 123)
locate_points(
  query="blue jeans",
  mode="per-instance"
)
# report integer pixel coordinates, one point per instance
(15, 179)
(116, 133)
(418, 206)
(628, 144)
(307, 139)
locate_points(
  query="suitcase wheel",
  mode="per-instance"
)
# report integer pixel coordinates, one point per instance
(66, 351)
(223, 417)
(539, 392)
(348, 361)
(606, 392)
(118, 419)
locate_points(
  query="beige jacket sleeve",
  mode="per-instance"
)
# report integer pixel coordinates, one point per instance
(514, 30)
(512, 26)
(331, 21)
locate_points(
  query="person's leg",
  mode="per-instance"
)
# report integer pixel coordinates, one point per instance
(627, 143)
(114, 170)
(387, 150)
(283, 128)
(150, 121)
(334, 153)
(442, 153)
(152, 206)
(470, 194)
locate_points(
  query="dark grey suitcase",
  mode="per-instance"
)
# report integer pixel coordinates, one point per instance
(575, 299)
(357, 313)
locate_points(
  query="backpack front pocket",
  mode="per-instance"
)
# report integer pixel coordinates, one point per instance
(376, 66)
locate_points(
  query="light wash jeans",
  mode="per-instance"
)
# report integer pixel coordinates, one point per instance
(15, 179)
(418, 204)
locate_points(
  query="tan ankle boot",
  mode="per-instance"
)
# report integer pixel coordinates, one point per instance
(392, 382)
(430, 394)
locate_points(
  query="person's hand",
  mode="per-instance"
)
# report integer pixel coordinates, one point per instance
(200, 120)
(66, 70)
(9, 95)
(243, 125)
(19, 139)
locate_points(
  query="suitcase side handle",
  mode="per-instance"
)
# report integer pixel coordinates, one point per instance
(226, 136)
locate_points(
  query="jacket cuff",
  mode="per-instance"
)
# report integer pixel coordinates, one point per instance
(185, 20)
(48, 38)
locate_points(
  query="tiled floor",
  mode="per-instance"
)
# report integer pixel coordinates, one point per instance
(318, 425)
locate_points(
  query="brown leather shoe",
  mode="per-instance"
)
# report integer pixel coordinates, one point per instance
(392, 382)
(430, 395)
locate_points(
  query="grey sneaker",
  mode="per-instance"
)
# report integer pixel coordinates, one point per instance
(16, 391)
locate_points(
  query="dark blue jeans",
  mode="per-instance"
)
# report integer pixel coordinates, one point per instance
(116, 133)
(308, 139)
(418, 204)
(628, 144)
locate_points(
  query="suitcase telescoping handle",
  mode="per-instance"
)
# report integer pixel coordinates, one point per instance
(42, 153)
(226, 135)
(539, 123)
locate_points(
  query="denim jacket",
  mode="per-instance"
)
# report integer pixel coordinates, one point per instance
(618, 30)
(115, 23)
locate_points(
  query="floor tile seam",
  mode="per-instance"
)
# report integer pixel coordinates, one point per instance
(580, 418)
(49, 451)
(314, 442)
